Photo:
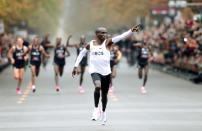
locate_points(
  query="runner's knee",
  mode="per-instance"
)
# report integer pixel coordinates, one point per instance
(97, 84)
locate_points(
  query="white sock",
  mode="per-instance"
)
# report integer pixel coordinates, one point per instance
(33, 87)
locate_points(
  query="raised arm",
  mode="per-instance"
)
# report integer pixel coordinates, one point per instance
(68, 39)
(70, 45)
(67, 52)
(124, 35)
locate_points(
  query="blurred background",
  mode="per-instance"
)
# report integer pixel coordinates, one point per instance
(171, 27)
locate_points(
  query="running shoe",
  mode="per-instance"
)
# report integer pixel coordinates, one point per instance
(33, 88)
(18, 91)
(81, 89)
(103, 118)
(96, 114)
(58, 88)
(143, 90)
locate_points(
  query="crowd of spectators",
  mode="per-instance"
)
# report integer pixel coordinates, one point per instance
(177, 45)
(6, 41)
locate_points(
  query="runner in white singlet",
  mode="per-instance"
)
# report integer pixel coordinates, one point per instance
(99, 66)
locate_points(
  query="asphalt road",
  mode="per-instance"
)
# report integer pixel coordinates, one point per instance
(171, 104)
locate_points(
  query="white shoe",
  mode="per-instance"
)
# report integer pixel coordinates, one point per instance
(143, 90)
(103, 118)
(81, 90)
(96, 114)
(33, 88)
(18, 91)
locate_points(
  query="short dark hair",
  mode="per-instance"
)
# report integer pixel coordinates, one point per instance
(99, 29)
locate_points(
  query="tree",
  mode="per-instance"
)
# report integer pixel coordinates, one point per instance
(39, 14)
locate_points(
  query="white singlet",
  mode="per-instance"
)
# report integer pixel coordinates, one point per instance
(99, 61)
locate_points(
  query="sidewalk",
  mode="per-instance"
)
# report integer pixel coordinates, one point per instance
(172, 71)
(3, 65)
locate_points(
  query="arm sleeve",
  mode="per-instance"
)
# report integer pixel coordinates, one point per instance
(122, 36)
(80, 57)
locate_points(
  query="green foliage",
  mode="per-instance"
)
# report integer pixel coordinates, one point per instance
(40, 14)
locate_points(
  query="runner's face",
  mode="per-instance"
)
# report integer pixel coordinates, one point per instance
(101, 34)
(58, 41)
(47, 36)
(36, 41)
(82, 40)
(20, 41)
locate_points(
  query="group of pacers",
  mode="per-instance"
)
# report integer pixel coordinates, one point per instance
(103, 55)
(34, 54)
